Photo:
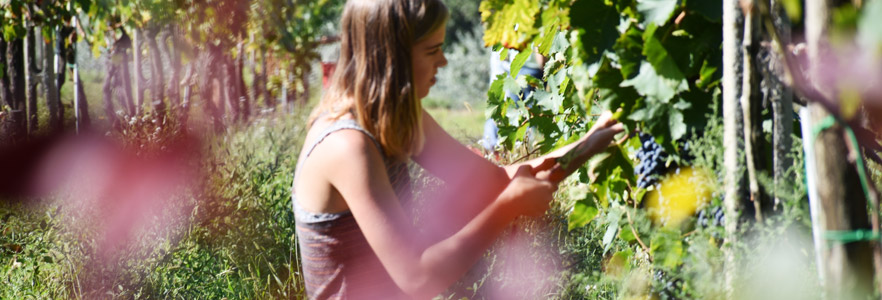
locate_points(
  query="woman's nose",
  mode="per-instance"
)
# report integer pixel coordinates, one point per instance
(443, 61)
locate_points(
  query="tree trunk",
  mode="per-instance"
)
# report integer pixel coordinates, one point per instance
(283, 73)
(5, 93)
(244, 98)
(781, 98)
(230, 88)
(840, 202)
(188, 82)
(156, 76)
(751, 101)
(209, 74)
(82, 103)
(304, 79)
(124, 75)
(30, 78)
(6, 131)
(109, 80)
(50, 91)
(61, 55)
(81, 106)
(16, 72)
(732, 136)
(255, 84)
(116, 82)
(136, 68)
(268, 99)
(173, 85)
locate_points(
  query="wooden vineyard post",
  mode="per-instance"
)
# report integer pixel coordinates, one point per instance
(750, 101)
(781, 98)
(732, 139)
(838, 200)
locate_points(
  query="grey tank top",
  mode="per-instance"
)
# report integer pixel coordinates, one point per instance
(337, 261)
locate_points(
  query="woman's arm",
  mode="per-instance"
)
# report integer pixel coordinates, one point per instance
(471, 182)
(420, 271)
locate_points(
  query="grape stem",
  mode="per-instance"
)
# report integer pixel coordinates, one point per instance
(636, 236)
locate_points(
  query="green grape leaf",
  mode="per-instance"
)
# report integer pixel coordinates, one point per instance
(612, 219)
(677, 126)
(557, 81)
(690, 50)
(549, 101)
(650, 84)
(518, 62)
(711, 10)
(666, 248)
(548, 39)
(629, 48)
(560, 43)
(556, 14)
(610, 164)
(510, 23)
(656, 11)
(709, 77)
(582, 213)
(521, 133)
(495, 96)
(514, 86)
(611, 95)
(658, 57)
(627, 235)
(596, 22)
(515, 115)
(682, 105)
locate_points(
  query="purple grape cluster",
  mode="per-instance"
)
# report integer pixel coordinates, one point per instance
(715, 218)
(652, 162)
(664, 287)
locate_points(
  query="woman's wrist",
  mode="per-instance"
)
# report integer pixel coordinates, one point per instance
(507, 202)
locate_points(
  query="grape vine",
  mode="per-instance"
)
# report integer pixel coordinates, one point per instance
(658, 62)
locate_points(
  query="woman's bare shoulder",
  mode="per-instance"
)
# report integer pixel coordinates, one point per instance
(345, 149)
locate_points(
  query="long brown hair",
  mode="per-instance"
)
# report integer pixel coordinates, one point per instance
(374, 76)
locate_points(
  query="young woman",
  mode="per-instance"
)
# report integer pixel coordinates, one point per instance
(356, 240)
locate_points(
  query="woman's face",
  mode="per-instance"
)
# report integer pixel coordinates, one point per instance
(428, 57)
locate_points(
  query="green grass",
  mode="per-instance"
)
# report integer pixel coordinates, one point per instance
(35, 260)
(237, 241)
(463, 121)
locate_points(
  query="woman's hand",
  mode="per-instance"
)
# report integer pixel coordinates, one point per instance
(596, 140)
(606, 127)
(602, 133)
(528, 195)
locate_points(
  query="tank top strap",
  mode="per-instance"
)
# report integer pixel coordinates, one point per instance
(341, 125)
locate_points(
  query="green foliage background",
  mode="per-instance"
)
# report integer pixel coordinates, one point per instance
(657, 64)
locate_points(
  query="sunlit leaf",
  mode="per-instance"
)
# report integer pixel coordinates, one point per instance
(612, 219)
(510, 23)
(597, 21)
(650, 84)
(666, 248)
(629, 48)
(583, 212)
(519, 61)
(656, 11)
